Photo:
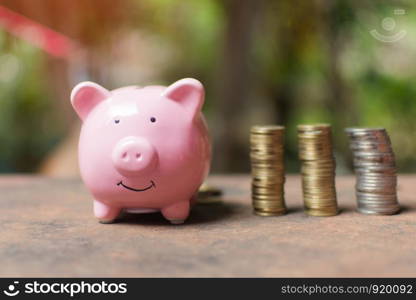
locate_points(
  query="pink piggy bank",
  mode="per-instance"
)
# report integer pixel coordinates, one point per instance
(142, 149)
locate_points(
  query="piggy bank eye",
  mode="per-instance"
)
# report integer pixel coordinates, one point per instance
(117, 121)
(152, 119)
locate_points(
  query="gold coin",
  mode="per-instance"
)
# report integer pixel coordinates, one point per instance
(317, 169)
(267, 169)
(269, 213)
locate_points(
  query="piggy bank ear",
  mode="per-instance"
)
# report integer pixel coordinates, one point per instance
(85, 96)
(189, 93)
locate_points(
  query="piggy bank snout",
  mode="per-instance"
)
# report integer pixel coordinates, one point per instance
(134, 156)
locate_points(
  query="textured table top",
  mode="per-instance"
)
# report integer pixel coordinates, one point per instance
(47, 229)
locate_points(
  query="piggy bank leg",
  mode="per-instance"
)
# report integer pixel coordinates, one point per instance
(177, 213)
(104, 213)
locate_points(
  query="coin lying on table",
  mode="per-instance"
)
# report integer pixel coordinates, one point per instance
(208, 194)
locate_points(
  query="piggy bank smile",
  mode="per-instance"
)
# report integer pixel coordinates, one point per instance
(152, 185)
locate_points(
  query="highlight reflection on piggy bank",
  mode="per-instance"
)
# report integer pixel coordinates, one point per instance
(142, 149)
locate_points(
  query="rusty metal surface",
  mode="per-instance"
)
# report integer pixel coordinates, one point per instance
(47, 229)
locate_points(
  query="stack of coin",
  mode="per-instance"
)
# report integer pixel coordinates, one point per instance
(375, 169)
(318, 170)
(268, 174)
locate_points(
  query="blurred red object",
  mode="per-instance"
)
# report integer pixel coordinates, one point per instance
(37, 34)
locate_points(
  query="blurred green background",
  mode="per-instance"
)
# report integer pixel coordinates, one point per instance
(346, 62)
